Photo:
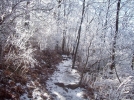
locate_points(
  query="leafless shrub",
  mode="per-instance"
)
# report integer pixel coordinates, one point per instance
(18, 57)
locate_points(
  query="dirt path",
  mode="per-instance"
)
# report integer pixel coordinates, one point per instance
(62, 84)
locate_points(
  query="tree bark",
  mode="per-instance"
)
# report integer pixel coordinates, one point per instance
(115, 38)
(79, 33)
(64, 31)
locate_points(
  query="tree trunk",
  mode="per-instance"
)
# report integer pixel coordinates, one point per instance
(105, 24)
(79, 32)
(115, 38)
(64, 30)
(63, 42)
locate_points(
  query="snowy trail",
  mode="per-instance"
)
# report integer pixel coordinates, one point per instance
(65, 75)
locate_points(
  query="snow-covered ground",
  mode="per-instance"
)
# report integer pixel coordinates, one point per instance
(65, 76)
(37, 93)
(106, 88)
(58, 85)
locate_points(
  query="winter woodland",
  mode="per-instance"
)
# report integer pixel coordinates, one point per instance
(92, 39)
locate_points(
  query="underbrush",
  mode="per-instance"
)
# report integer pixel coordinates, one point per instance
(23, 79)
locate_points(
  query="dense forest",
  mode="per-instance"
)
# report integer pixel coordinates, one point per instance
(66, 49)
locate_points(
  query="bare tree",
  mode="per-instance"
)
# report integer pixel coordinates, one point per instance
(115, 39)
(79, 35)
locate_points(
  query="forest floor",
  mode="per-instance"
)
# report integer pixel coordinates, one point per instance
(59, 84)
(63, 84)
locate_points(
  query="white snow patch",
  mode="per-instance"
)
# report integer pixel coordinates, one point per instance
(66, 75)
(37, 94)
(80, 94)
(24, 97)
